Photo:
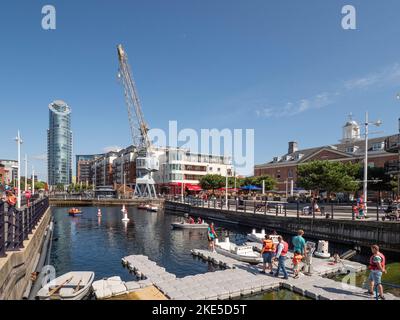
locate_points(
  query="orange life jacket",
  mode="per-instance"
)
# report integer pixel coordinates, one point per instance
(12, 200)
(297, 258)
(373, 265)
(268, 246)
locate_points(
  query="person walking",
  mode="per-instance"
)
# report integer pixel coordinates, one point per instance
(211, 235)
(267, 253)
(299, 243)
(376, 266)
(297, 257)
(281, 252)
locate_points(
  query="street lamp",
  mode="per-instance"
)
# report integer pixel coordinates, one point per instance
(19, 142)
(365, 182)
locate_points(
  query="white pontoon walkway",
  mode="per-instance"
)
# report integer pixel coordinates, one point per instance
(243, 279)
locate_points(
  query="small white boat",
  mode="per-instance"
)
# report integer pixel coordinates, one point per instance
(152, 208)
(242, 253)
(259, 237)
(70, 286)
(185, 225)
(143, 206)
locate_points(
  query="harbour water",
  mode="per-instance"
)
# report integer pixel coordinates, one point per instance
(90, 243)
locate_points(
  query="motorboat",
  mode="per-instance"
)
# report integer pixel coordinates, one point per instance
(152, 208)
(143, 206)
(185, 225)
(243, 253)
(259, 237)
(74, 285)
(75, 212)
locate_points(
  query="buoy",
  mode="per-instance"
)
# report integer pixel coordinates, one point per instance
(125, 212)
(322, 250)
(99, 213)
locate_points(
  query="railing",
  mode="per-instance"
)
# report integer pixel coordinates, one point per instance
(17, 224)
(284, 209)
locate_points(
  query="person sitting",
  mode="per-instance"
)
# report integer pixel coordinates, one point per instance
(190, 220)
(199, 220)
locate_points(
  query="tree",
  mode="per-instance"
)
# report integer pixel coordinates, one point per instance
(384, 182)
(270, 183)
(328, 176)
(212, 182)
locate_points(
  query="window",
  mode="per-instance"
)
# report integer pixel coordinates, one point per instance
(378, 146)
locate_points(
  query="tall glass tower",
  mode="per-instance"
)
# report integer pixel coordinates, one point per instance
(59, 144)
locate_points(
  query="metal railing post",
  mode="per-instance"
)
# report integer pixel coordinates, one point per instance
(313, 211)
(265, 208)
(298, 209)
(332, 210)
(2, 232)
(285, 209)
(244, 202)
(377, 211)
(254, 208)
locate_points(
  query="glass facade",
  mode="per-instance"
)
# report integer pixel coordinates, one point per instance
(59, 144)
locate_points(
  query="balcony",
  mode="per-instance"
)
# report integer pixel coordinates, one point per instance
(392, 144)
(392, 167)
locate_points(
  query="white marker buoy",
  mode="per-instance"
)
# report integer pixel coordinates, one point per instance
(99, 213)
(125, 212)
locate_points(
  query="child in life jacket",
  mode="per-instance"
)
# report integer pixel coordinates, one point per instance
(296, 263)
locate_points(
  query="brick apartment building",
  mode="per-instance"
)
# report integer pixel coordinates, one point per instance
(351, 148)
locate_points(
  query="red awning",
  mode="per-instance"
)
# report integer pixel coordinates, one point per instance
(194, 187)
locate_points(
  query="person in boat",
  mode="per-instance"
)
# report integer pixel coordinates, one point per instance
(297, 258)
(211, 235)
(190, 220)
(298, 242)
(267, 254)
(376, 266)
(280, 256)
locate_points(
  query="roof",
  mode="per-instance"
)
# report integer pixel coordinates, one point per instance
(340, 148)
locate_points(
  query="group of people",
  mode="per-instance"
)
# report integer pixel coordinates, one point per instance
(302, 254)
(359, 208)
(190, 220)
(278, 253)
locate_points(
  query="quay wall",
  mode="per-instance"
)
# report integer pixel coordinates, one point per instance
(101, 202)
(17, 266)
(361, 233)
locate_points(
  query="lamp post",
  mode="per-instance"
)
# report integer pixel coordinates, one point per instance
(26, 172)
(365, 182)
(226, 189)
(33, 180)
(19, 142)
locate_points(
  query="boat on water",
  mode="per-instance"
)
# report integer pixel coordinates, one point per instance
(152, 208)
(260, 236)
(243, 253)
(75, 212)
(143, 206)
(74, 285)
(185, 225)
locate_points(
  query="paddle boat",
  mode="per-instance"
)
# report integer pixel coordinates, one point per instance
(185, 225)
(70, 286)
(243, 253)
(259, 237)
(74, 212)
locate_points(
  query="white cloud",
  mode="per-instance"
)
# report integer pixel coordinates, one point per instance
(112, 148)
(386, 76)
(293, 108)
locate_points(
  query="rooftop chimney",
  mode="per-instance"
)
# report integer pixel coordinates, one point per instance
(293, 147)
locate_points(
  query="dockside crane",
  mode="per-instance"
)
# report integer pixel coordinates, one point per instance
(146, 161)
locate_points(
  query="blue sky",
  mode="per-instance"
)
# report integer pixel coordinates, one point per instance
(285, 68)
